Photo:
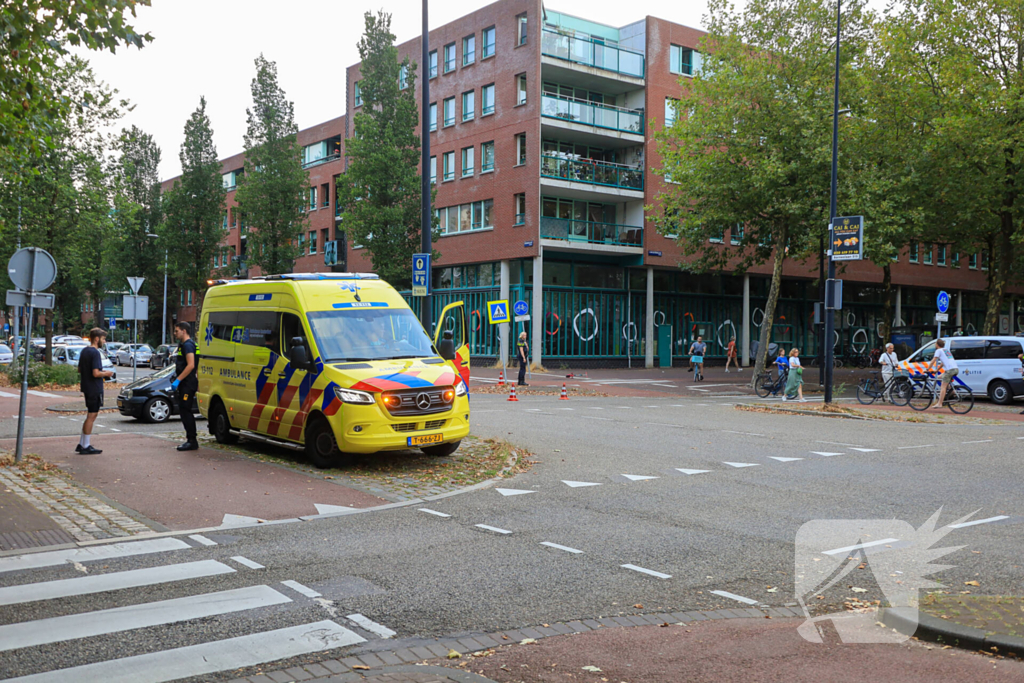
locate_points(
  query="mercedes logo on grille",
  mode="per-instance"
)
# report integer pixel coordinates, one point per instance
(423, 401)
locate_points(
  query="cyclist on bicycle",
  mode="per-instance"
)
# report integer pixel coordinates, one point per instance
(697, 350)
(949, 369)
(782, 363)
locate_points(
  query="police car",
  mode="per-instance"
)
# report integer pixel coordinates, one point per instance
(988, 365)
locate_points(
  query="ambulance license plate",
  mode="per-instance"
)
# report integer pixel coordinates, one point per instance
(425, 439)
(120, 403)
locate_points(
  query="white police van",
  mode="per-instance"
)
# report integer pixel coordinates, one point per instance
(988, 365)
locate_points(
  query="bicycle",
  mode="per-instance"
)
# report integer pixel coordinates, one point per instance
(897, 390)
(766, 385)
(959, 397)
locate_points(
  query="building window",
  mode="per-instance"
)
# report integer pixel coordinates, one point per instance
(449, 111)
(190, 297)
(521, 29)
(225, 221)
(520, 207)
(312, 198)
(736, 234)
(490, 39)
(941, 260)
(520, 149)
(719, 237)
(972, 261)
(984, 259)
(469, 105)
(914, 252)
(448, 161)
(683, 60)
(323, 238)
(928, 254)
(234, 217)
(449, 57)
(403, 77)
(520, 89)
(433, 116)
(487, 100)
(465, 217)
(955, 260)
(487, 157)
(359, 95)
(325, 195)
(467, 161)
(433, 63)
(670, 111)
(433, 170)
(468, 50)
(312, 241)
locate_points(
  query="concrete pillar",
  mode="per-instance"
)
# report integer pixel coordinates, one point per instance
(960, 309)
(503, 328)
(898, 321)
(537, 309)
(649, 326)
(745, 338)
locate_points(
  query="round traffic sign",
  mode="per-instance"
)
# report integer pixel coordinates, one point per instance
(521, 308)
(32, 269)
(943, 302)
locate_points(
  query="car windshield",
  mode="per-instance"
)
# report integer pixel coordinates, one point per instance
(360, 334)
(4, 348)
(73, 353)
(166, 372)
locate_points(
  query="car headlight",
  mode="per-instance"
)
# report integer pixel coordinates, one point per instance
(460, 389)
(353, 396)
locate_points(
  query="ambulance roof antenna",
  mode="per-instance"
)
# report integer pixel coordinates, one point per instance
(356, 293)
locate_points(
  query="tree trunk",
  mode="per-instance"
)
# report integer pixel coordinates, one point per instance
(769, 309)
(1000, 265)
(887, 304)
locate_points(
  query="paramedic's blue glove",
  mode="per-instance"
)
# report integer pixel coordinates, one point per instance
(174, 385)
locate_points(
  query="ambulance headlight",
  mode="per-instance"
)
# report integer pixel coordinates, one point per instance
(353, 396)
(460, 389)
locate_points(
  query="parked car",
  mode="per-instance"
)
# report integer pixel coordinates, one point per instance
(163, 355)
(111, 348)
(151, 399)
(988, 365)
(69, 355)
(6, 355)
(137, 354)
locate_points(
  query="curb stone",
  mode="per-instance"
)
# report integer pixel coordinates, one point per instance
(911, 622)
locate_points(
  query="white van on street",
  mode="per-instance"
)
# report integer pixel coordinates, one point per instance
(988, 365)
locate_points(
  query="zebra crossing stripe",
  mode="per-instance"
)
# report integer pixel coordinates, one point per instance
(207, 658)
(99, 583)
(89, 624)
(98, 552)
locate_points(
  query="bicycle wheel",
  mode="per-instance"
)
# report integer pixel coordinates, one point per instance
(900, 391)
(960, 399)
(867, 391)
(763, 386)
(921, 396)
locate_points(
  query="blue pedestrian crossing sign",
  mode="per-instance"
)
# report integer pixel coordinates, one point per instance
(943, 302)
(497, 312)
(420, 274)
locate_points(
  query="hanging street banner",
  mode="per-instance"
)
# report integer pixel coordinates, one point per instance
(848, 238)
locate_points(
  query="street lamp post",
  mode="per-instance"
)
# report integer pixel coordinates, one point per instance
(426, 216)
(163, 318)
(830, 314)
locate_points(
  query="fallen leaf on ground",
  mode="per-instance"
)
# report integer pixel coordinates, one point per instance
(772, 590)
(638, 606)
(452, 654)
(971, 583)
(858, 590)
(527, 641)
(360, 666)
(590, 668)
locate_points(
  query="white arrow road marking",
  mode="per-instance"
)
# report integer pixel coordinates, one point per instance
(578, 484)
(322, 509)
(372, 626)
(650, 572)
(780, 459)
(978, 521)
(513, 492)
(238, 520)
(826, 454)
(561, 547)
(638, 477)
(686, 471)
(742, 464)
(840, 551)
(733, 596)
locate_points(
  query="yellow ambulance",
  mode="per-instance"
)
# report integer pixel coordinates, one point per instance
(330, 364)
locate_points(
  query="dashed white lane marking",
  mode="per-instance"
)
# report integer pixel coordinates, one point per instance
(825, 453)
(865, 450)
(978, 521)
(100, 552)
(300, 589)
(534, 410)
(246, 562)
(781, 459)
(513, 492)
(905, 448)
(42, 394)
(61, 417)
(493, 528)
(594, 417)
(119, 619)
(561, 547)
(982, 441)
(742, 464)
(686, 471)
(652, 406)
(101, 426)
(839, 443)
(650, 572)
(6, 395)
(578, 484)
(101, 583)
(566, 409)
(595, 408)
(733, 596)
(729, 431)
(372, 626)
(203, 540)
(678, 405)
(638, 477)
(114, 430)
(624, 407)
(666, 424)
(433, 512)
(207, 658)
(870, 544)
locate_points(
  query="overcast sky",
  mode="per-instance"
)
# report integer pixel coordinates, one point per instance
(207, 47)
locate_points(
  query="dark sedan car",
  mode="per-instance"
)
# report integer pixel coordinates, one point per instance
(150, 398)
(164, 355)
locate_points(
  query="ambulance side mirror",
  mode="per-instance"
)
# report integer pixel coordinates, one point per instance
(446, 349)
(298, 353)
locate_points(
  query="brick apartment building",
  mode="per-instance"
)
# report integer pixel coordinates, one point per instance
(542, 154)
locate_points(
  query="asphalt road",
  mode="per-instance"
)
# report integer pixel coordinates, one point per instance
(729, 528)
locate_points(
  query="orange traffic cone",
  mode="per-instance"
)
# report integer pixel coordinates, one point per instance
(564, 396)
(512, 394)
(501, 378)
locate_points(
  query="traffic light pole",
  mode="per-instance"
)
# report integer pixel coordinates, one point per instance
(830, 314)
(426, 217)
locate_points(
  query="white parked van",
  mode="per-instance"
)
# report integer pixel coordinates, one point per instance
(988, 365)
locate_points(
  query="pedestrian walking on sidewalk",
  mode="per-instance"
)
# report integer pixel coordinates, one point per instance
(949, 370)
(523, 354)
(888, 360)
(186, 383)
(730, 355)
(795, 381)
(782, 363)
(90, 368)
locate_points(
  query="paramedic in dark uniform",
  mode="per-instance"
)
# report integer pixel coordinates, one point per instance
(185, 383)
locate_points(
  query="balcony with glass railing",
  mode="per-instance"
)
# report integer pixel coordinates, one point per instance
(592, 114)
(591, 232)
(591, 172)
(589, 52)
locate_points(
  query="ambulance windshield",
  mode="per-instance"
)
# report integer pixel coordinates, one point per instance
(362, 334)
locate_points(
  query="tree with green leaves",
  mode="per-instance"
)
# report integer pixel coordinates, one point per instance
(750, 148)
(380, 191)
(272, 193)
(194, 206)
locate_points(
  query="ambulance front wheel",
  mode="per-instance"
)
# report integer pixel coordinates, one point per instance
(321, 445)
(441, 450)
(220, 425)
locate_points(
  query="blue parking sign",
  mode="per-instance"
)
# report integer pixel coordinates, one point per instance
(943, 302)
(420, 274)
